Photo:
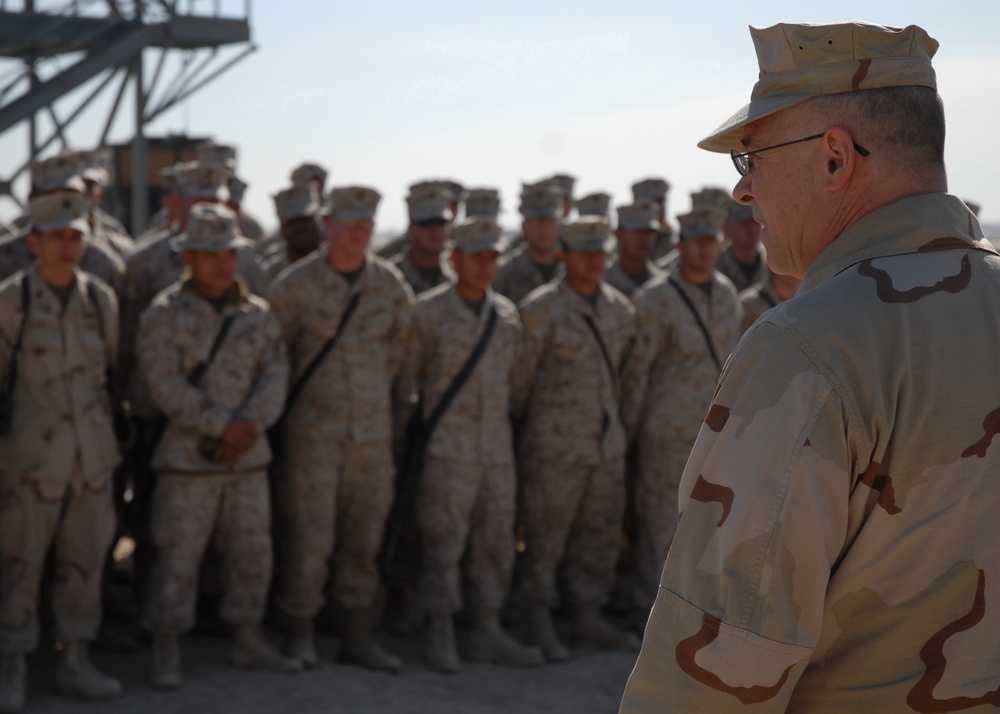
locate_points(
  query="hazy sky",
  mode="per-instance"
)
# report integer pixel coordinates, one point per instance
(385, 93)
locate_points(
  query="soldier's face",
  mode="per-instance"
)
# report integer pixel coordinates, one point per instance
(58, 250)
(429, 236)
(541, 233)
(585, 265)
(745, 234)
(637, 244)
(302, 233)
(350, 238)
(700, 253)
(213, 272)
(476, 271)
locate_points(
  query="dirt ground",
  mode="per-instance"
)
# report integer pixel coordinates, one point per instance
(590, 682)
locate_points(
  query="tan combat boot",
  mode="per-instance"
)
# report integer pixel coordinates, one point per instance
(13, 676)
(76, 676)
(542, 633)
(488, 643)
(359, 645)
(300, 642)
(590, 629)
(251, 651)
(439, 644)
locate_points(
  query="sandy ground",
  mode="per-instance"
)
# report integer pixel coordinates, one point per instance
(590, 682)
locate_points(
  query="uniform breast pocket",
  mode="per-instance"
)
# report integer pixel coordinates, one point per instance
(40, 360)
(569, 346)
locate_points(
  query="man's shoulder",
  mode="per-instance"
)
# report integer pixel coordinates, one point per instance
(385, 275)
(296, 274)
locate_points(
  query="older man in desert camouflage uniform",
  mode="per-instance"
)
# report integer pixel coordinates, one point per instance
(57, 450)
(423, 263)
(834, 551)
(577, 332)
(211, 463)
(638, 226)
(689, 322)
(336, 483)
(466, 502)
(534, 263)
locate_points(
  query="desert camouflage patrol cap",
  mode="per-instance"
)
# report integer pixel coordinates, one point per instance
(198, 180)
(479, 233)
(430, 203)
(223, 155)
(594, 204)
(297, 201)
(564, 181)
(57, 172)
(352, 203)
(711, 196)
(541, 200)
(308, 172)
(92, 165)
(706, 219)
(60, 209)
(482, 203)
(638, 216)
(650, 189)
(211, 227)
(798, 62)
(587, 233)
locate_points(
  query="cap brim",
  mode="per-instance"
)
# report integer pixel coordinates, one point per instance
(728, 136)
(476, 246)
(182, 245)
(80, 223)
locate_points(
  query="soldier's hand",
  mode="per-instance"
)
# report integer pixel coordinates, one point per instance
(237, 438)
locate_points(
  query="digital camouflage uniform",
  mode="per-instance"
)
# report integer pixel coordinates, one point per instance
(56, 462)
(832, 554)
(616, 277)
(571, 451)
(152, 268)
(197, 500)
(336, 482)
(419, 280)
(518, 275)
(757, 300)
(468, 490)
(732, 269)
(667, 387)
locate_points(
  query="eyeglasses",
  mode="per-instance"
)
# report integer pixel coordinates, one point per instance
(743, 163)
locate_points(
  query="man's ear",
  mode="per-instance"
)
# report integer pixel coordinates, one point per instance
(841, 158)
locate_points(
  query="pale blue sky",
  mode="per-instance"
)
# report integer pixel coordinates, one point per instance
(385, 93)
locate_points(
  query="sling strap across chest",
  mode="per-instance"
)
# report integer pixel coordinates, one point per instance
(701, 325)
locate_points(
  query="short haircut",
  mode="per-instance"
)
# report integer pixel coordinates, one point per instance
(906, 123)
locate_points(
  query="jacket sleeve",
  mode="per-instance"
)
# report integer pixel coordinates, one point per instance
(765, 517)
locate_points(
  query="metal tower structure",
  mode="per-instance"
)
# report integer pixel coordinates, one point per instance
(63, 59)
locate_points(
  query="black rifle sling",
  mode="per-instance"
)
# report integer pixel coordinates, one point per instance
(604, 350)
(461, 378)
(198, 372)
(12, 370)
(701, 325)
(293, 393)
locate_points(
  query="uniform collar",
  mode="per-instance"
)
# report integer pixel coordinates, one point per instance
(931, 221)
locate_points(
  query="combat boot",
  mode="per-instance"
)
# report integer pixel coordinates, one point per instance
(590, 629)
(439, 645)
(488, 643)
(13, 675)
(542, 633)
(251, 651)
(76, 676)
(359, 645)
(165, 671)
(300, 643)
